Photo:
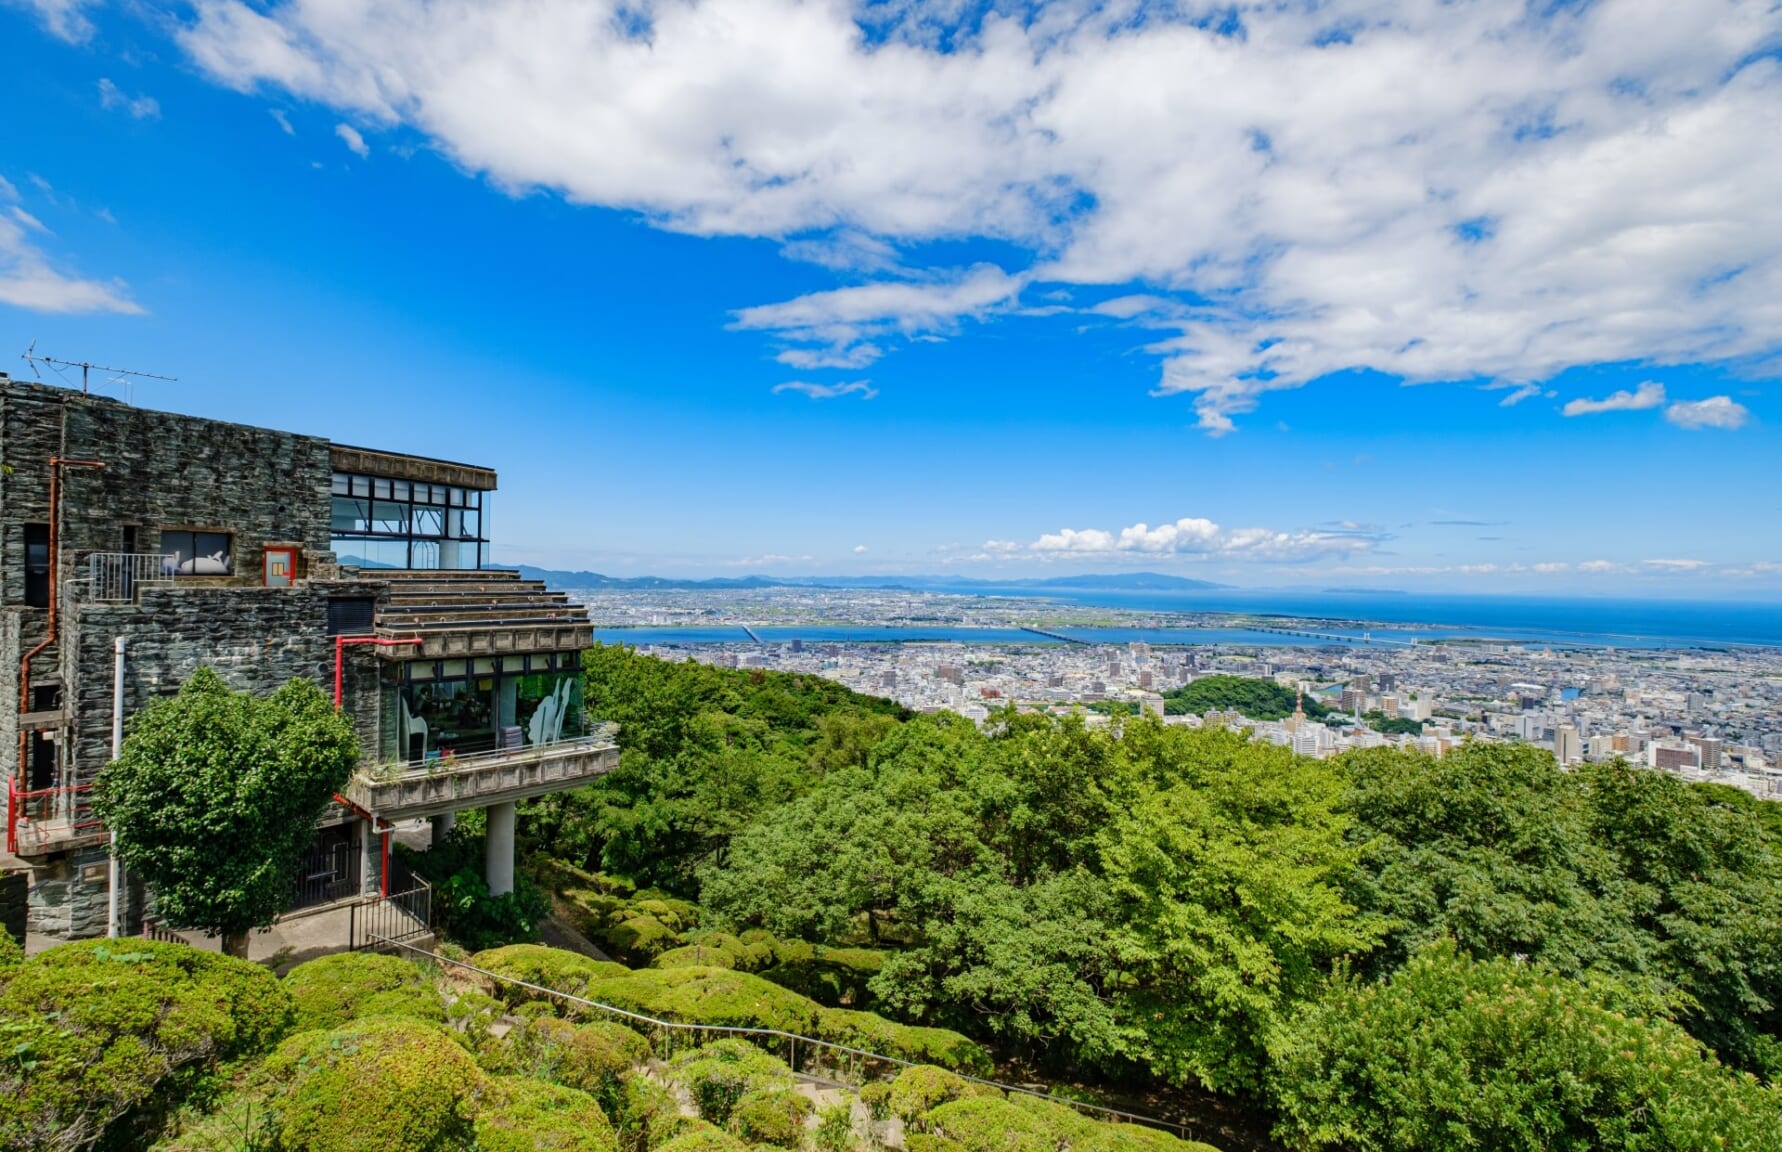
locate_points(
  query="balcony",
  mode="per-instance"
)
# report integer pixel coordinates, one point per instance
(406, 791)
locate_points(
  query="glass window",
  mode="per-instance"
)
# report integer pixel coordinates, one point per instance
(341, 484)
(351, 515)
(380, 488)
(196, 553)
(361, 486)
(400, 490)
(450, 668)
(371, 551)
(389, 516)
(37, 572)
(429, 520)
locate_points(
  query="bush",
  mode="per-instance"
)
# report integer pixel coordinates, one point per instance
(775, 1116)
(463, 908)
(118, 1032)
(471, 1015)
(648, 1115)
(1136, 1138)
(1066, 1121)
(10, 950)
(637, 940)
(592, 1058)
(520, 1115)
(380, 1085)
(554, 968)
(700, 1136)
(707, 996)
(835, 1128)
(835, 977)
(718, 1076)
(696, 956)
(332, 990)
(877, 1099)
(1452, 1053)
(982, 1124)
(929, 1142)
(917, 1091)
(938, 1046)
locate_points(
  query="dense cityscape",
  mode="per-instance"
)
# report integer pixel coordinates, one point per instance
(1704, 714)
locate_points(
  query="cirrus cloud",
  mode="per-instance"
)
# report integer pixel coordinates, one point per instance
(858, 388)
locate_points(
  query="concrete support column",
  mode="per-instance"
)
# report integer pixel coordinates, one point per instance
(442, 827)
(498, 863)
(368, 859)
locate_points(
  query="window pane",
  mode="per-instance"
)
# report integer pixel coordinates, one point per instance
(381, 489)
(351, 515)
(470, 526)
(388, 516)
(399, 491)
(361, 486)
(450, 668)
(424, 554)
(341, 480)
(371, 553)
(429, 520)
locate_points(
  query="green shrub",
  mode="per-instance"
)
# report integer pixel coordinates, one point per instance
(718, 1075)
(598, 1057)
(707, 996)
(521, 1115)
(835, 1128)
(421, 1003)
(676, 915)
(106, 1033)
(11, 952)
(1136, 1138)
(983, 1124)
(471, 1015)
(1066, 1121)
(835, 977)
(696, 956)
(929, 1142)
(700, 1136)
(638, 939)
(535, 1048)
(334, 989)
(877, 1099)
(916, 1091)
(648, 1114)
(381, 1085)
(1450, 1053)
(554, 968)
(938, 1046)
(773, 1116)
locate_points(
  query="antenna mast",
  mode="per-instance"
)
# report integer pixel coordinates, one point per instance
(85, 366)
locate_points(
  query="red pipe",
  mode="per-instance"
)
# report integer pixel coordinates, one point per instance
(340, 643)
(56, 464)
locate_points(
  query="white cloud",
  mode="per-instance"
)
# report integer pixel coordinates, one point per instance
(63, 19)
(1675, 565)
(111, 97)
(860, 549)
(349, 136)
(1647, 395)
(28, 220)
(769, 558)
(27, 280)
(838, 322)
(1524, 392)
(283, 120)
(1714, 412)
(1193, 536)
(7, 191)
(1446, 191)
(861, 388)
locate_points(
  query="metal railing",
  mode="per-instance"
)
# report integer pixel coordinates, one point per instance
(42, 818)
(114, 577)
(384, 922)
(855, 1062)
(327, 873)
(596, 735)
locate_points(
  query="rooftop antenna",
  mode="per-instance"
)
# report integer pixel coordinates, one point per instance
(86, 367)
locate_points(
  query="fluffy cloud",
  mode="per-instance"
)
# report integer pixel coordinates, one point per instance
(827, 391)
(64, 19)
(355, 143)
(1648, 395)
(27, 280)
(1192, 536)
(111, 98)
(1714, 412)
(1433, 190)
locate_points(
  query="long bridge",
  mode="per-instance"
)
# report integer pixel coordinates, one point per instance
(1052, 635)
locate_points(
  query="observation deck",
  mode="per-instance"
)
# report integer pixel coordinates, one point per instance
(406, 791)
(457, 614)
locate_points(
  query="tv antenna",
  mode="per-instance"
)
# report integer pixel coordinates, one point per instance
(86, 367)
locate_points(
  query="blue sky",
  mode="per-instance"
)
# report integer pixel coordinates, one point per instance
(1407, 295)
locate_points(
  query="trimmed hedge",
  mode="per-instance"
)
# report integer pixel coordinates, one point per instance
(834, 977)
(917, 1091)
(982, 1124)
(773, 1116)
(707, 996)
(591, 1058)
(699, 1136)
(380, 1085)
(332, 990)
(938, 1046)
(719, 1076)
(523, 1115)
(554, 968)
(107, 1032)
(648, 1114)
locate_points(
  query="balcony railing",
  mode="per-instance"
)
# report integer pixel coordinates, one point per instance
(400, 791)
(114, 577)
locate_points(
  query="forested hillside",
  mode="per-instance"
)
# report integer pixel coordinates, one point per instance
(1166, 907)
(1255, 699)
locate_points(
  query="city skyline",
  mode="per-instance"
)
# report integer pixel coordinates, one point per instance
(1260, 297)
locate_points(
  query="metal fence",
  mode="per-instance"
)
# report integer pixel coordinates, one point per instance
(823, 1059)
(326, 873)
(114, 577)
(392, 921)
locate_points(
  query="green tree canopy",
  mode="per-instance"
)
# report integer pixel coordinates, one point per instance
(216, 795)
(1255, 699)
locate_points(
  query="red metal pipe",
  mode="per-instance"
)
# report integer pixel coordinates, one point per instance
(340, 644)
(56, 464)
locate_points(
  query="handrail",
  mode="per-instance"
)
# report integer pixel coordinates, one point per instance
(735, 1030)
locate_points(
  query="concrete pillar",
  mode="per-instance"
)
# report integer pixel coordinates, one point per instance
(498, 863)
(442, 827)
(368, 859)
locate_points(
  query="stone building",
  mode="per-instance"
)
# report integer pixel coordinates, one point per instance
(182, 542)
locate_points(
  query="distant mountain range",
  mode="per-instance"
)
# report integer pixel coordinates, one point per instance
(1122, 581)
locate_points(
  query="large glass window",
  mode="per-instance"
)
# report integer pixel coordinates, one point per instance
(406, 524)
(461, 707)
(196, 553)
